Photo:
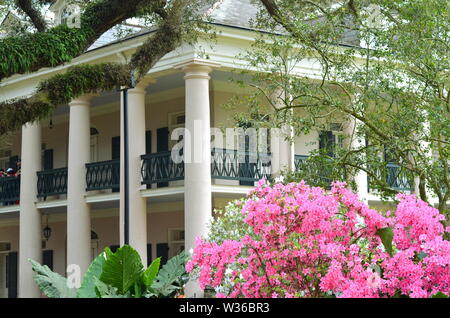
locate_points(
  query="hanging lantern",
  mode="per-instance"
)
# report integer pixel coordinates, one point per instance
(47, 231)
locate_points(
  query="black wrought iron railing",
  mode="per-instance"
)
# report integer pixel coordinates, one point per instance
(225, 164)
(52, 182)
(9, 190)
(159, 167)
(314, 173)
(238, 165)
(103, 175)
(299, 161)
(396, 177)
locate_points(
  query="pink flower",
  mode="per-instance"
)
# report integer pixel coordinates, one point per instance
(303, 237)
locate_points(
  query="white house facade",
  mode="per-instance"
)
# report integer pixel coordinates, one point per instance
(72, 164)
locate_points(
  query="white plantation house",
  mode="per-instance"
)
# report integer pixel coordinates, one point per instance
(67, 205)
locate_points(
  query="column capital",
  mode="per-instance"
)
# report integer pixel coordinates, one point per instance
(84, 100)
(142, 85)
(197, 68)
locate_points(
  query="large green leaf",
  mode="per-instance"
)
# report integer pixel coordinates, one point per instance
(150, 273)
(51, 284)
(122, 269)
(87, 288)
(105, 291)
(169, 277)
(386, 235)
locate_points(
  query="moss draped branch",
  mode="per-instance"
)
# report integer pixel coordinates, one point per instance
(86, 79)
(30, 52)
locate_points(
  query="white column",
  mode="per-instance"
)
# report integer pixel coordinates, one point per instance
(136, 148)
(357, 142)
(78, 211)
(427, 155)
(197, 179)
(282, 142)
(30, 243)
(282, 149)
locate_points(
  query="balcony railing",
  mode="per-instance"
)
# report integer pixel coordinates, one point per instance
(159, 167)
(9, 189)
(103, 175)
(244, 166)
(225, 164)
(396, 177)
(320, 175)
(299, 161)
(52, 182)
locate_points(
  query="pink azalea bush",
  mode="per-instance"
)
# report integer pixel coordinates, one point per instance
(306, 242)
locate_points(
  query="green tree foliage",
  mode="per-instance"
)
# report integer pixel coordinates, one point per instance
(381, 69)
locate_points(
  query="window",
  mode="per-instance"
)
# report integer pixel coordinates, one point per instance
(176, 241)
(70, 16)
(332, 138)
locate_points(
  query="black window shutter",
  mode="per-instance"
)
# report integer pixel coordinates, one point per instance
(247, 169)
(48, 159)
(12, 274)
(114, 248)
(13, 162)
(115, 155)
(388, 155)
(7, 271)
(149, 254)
(162, 144)
(47, 258)
(148, 142)
(115, 148)
(162, 250)
(327, 141)
(148, 147)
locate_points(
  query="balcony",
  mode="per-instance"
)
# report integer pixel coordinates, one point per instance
(52, 182)
(229, 164)
(9, 190)
(225, 164)
(103, 175)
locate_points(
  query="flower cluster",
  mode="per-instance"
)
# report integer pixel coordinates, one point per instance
(306, 242)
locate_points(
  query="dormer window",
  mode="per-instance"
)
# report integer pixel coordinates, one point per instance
(66, 13)
(70, 16)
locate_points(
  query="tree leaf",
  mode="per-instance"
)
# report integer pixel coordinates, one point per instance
(51, 284)
(150, 273)
(439, 295)
(122, 269)
(386, 235)
(87, 288)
